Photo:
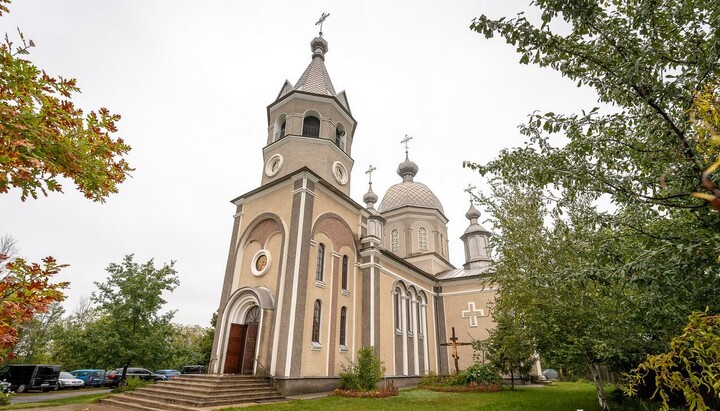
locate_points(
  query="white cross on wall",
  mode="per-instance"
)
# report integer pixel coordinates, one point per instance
(472, 313)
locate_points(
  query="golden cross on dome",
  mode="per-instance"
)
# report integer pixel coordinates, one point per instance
(323, 16)
(369, 172)
(405, 141)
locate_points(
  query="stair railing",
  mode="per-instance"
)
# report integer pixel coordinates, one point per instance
(266, 374)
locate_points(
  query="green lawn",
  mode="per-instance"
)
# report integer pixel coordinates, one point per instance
(83, 399)
(558, 397)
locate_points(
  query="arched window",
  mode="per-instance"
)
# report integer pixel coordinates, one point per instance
(344, 279)
(422, 239)
(316, 322)
(398, 309)
(395, 240)
(442, 245)
(282, 130)
(409, 314)
(311, 126)
(320, 269)
(343, 325)
(280, 127)
(340, 136)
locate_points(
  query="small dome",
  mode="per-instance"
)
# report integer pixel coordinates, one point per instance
(473, 213)
(370, 197)
(409, 193)
(407, 168)
(319, 47)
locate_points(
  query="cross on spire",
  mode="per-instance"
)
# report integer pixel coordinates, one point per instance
(369, 173)
(405, 141)
(469, 190)
(323, 16)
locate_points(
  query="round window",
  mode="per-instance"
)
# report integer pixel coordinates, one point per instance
(273, 165)
(260, 263)
(340, 173)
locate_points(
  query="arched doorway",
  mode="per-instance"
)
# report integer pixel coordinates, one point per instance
(241, 345)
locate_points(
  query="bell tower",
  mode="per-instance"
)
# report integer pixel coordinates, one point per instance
(310, 125)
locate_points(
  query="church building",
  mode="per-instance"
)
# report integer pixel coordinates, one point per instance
(313, 276)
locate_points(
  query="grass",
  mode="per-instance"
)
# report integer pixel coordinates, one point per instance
(83, 399)
(560, 396)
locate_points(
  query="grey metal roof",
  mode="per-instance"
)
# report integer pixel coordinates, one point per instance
(316, 79)
(462, 272)
(409, 193)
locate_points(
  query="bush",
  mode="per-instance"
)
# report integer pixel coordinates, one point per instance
(5, 397)
(365, 374)
(132, 383)
(480, 374)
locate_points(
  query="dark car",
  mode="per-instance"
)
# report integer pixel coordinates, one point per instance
(25, 377)
(112, 378)
(193, 369)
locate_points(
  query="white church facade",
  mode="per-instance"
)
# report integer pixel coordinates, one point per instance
(313, 276)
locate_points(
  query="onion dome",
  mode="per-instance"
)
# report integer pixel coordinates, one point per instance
(370, 198)
(409, 193)
(473, 214)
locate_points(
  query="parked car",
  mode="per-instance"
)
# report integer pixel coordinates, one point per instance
(168, 373)
(193, 369)
(91, 377)
(112, 378)
(25, 377)
(66, 380)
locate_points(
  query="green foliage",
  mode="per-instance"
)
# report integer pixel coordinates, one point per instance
(5, 398)
(131, 329)
(44, 136)
(188, 344)
(691, 367)
(365, 373)
(510, 348)
(480, 374)
(35, 337)
(131, 384)
(603, 249)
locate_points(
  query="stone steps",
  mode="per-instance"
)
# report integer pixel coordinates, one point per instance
(196, 392)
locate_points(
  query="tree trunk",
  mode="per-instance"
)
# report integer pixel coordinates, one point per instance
(598, 386)
(512, 379)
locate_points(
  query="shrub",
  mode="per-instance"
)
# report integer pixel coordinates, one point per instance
(132, 383)
(5, 397)
(479, 374)
(363, 375)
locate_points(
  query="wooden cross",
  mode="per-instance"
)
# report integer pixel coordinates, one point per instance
(454, 344)
(405, 141)
(369, 172)
(323, 16)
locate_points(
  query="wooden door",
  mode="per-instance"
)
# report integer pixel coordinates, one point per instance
(248, 356)
(235, 347)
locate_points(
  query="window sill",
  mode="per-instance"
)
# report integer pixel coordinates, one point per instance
(320, 284)
(345, 292)
(398, 331)
(343, 348)
(315, 346)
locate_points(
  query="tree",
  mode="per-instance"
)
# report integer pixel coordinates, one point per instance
(691, 367)
(510, 347)
(130, 301)
(36, 336)
(44, 136)
(639, 264)
(187, 345)
(25, 290)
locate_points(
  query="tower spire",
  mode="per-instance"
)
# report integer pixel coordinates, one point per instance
(370, 198)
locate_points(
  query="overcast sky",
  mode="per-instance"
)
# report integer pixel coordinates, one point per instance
(192, 81)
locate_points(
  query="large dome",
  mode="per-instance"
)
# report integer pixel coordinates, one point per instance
(409, 193)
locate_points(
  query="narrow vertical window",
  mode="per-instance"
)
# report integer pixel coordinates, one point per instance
(316, 322)
(422, 239)
(343, 325)
(409, 315)
(398, 308)
(282, 130)
(442, 245)
(340, 136)
(344, 281)
(320, 269)
(395, 239)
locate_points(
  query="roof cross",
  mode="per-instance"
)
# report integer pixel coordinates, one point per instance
(469, 190)
(405, 141)
(369, 172)
(323, 16)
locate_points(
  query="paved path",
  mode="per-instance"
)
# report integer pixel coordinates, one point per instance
(32, 397)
